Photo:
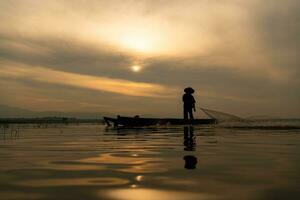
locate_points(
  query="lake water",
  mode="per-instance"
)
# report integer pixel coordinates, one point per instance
(159, 163)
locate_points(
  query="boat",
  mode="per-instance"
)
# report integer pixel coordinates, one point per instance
(137, 121)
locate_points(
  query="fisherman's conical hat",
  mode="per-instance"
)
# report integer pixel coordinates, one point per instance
(189, 90)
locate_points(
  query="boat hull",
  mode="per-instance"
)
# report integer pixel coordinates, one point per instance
(137, 121)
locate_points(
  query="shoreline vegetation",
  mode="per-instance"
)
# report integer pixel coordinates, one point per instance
(49, 120)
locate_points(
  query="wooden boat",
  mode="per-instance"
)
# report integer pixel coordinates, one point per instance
(138, 121)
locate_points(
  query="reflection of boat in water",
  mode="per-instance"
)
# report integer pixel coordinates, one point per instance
(139, 121)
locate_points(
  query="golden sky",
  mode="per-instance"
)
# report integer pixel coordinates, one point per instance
(129, 57)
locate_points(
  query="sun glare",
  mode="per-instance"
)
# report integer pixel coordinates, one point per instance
(135, 68)
(139, 40)
(137, 43)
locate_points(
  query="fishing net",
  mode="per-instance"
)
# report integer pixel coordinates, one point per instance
(221, 116)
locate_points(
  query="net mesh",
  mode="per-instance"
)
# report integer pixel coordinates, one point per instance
(221, 116)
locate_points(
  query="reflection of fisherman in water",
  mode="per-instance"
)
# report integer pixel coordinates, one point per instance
(190, 162)
(189, 145)
(188, 103)
(189, 139)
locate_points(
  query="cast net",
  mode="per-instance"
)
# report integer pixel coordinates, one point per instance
(221, 116)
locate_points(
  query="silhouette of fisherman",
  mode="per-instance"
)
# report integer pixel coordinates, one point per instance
(188, 103)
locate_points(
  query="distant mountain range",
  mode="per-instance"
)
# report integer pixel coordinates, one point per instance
(15, 112)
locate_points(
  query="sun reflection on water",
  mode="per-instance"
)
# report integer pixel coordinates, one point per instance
(105, 181)
(150, 194)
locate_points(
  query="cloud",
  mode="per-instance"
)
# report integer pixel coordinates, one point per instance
(105, 84)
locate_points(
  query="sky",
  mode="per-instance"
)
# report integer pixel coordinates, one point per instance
(135, 57)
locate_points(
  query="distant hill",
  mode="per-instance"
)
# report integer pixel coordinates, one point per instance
(15, 112)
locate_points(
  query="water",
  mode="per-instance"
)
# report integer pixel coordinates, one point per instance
(161, 163)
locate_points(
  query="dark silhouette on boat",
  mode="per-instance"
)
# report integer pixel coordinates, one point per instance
(188, 103)
(188, 119)
(121, 121)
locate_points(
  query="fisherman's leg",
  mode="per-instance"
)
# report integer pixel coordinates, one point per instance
(191, 114)
(185, 113)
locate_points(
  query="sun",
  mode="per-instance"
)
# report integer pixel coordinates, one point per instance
(136, 68)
